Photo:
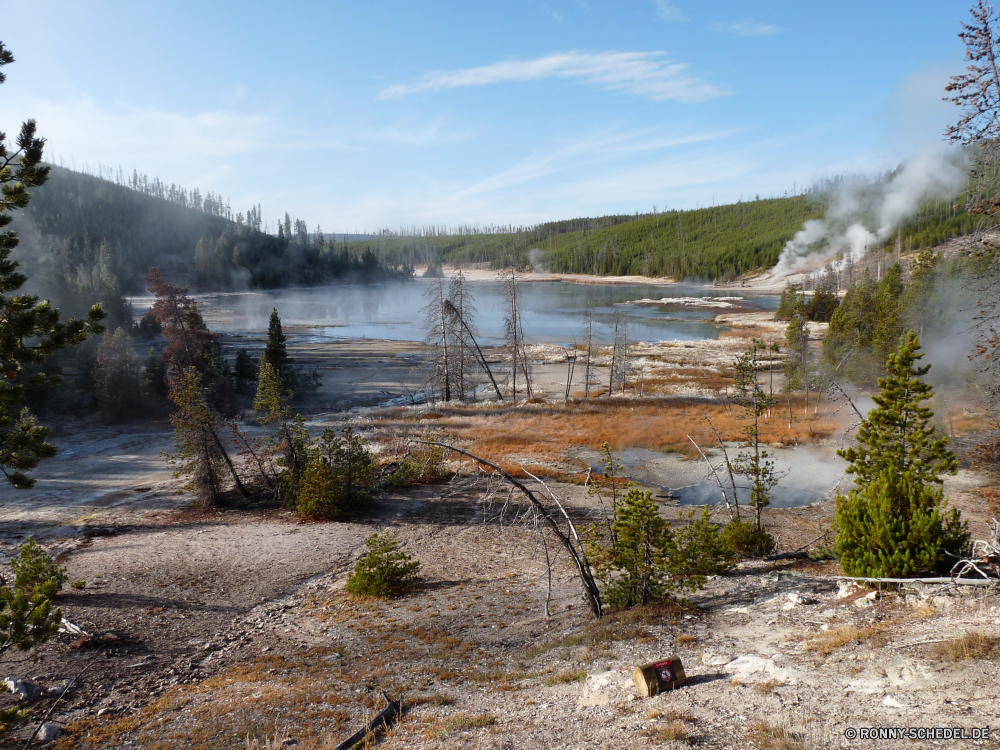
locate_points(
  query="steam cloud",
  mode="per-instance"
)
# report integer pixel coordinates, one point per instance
(931, 174)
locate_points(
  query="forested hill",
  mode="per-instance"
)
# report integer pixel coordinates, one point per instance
(721, 242)
(86, 239)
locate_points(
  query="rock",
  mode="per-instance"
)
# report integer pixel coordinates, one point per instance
(794, 600)
(903, 671)
(49, 732)
(744, 666)
(715, 660)
(24, 690)
(846, 589)
(865, 687)
(892, 702)
(868, 600)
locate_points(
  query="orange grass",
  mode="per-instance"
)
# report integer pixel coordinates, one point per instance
(523, 435)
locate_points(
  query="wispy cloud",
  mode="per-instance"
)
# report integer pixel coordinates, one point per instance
(645, 74)
(666, 10)
(600, 148)
(746, 27)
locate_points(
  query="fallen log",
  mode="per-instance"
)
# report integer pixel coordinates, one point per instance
(387, 715)
(787, 556)
(957, 581)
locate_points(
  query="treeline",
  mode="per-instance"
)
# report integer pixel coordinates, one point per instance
(719, 243)
(932, 298)
(87, 239)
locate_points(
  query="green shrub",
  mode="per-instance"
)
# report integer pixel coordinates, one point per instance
(746, 540)
(384, 570)
(894, 521)
(895, 527)
(26, 614)
(643, 560)
(33, 567)
(339, 477)
(422, 464)
(699, 549)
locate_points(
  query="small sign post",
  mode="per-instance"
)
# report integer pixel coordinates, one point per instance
(659, 676)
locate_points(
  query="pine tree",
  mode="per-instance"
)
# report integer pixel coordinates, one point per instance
(894, 521)
(275, 350)
(796, 364)
(753, 461)
(30, 329)
(200, 455)
(244, 371)
(118, 377)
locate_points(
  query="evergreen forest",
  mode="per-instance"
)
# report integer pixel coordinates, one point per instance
(718, 243)
(85, 239)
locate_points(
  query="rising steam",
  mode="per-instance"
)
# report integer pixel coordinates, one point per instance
(857, 204)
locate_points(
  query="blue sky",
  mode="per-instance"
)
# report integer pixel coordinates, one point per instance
(359, 115)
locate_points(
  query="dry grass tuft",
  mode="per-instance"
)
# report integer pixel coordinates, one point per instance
(833, 639)
(875, 635)
(971, 646)
(765, 688)
(671, 732)
(773, 737)
(566, 676)
(465, 722)
(269, 743)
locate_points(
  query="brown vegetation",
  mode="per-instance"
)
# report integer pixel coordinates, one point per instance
(511, 436)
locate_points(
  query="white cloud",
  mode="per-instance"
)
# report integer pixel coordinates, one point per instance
(125, 134)
(666, 10)
(639, 73)
(746, 27)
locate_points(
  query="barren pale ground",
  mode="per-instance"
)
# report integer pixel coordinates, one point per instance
(211, 627)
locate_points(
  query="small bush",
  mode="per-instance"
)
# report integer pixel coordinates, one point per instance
(339, 477)
(384, 571)
(424, 463)
(746, 540)
(34, 567)
(644, 560)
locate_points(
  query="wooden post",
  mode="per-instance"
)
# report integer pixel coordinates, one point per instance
(659, 676)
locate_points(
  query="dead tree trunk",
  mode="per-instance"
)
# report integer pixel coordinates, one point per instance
(569, 539)
(479, 352)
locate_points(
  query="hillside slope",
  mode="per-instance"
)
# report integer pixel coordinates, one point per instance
(86, 239)
(721, 242)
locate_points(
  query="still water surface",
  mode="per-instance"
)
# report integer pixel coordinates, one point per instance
(552, 310)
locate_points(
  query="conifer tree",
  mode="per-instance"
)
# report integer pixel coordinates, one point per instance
(200, 455)
(894, 521)
(754, 461)
(275, 350)
(118, 377)
(30, 328)
(796, 364)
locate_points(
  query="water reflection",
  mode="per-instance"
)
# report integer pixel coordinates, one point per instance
(552, 310)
